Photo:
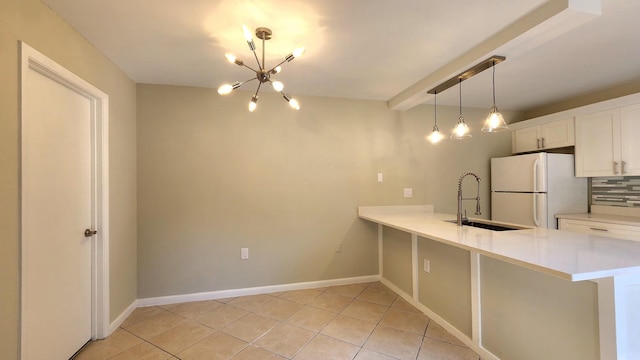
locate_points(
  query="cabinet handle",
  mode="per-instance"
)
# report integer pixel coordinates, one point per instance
(543, 143)
(615, 168)
(598, 229)
(624, 170)
(538, 140)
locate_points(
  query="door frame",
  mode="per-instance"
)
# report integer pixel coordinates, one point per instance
(33, 60)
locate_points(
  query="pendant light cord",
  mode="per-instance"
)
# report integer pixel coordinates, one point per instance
(435, 109)
(460, 89)
(494, 83)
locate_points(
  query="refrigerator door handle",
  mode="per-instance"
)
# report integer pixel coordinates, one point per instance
(535, 175)
(535, 210)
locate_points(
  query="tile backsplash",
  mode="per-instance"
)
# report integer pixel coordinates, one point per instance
(616, 191)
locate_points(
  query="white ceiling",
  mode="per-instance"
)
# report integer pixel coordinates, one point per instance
(360, 49)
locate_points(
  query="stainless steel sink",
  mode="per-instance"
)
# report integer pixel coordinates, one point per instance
(488, 225)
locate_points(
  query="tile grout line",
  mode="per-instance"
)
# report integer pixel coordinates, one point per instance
(143, 340)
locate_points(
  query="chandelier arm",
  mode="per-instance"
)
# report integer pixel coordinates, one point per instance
(283, 61)
(248, 80)
(258, 89)
(257, 60)
(250, 68)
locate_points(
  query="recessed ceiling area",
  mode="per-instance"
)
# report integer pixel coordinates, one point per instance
(362, 49)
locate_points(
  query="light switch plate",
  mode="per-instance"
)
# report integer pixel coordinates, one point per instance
(408, 192)
(244, 253)
(380, 177)
(427, 266)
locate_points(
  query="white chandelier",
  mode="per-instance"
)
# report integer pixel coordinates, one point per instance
(262, 74)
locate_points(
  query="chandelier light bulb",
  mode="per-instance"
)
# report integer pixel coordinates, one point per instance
(277, 85)
(233, 59)
(294, 104)
(225, 89)
(247, 33)
(253, 103)
(276, 70)
(298, 52)
(294, 54)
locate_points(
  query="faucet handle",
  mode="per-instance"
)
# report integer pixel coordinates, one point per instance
(465, 215)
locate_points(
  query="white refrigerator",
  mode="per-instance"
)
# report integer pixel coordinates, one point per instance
(531, 189)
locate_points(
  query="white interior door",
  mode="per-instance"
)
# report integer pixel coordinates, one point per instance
(57, 207)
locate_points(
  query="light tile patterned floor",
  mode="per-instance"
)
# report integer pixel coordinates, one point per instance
(360, 322)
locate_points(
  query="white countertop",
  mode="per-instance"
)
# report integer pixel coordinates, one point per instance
(564, 254)
(605, 218)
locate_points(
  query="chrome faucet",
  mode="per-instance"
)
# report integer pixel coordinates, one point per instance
(460, 217)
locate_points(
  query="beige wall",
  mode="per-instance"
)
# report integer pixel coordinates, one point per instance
(31, 21)
(527, 315)
(446, 290)
(396, 262)
(214, 178)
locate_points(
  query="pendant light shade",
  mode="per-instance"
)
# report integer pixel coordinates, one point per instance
(461, 130)
(495, 121)
(435, 136)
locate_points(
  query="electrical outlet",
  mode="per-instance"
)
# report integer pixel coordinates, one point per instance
(244, 253)
(408, 192)
(427, 266)
(338, 247)
(379, 177)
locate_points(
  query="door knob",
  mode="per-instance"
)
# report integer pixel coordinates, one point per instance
(89, 233)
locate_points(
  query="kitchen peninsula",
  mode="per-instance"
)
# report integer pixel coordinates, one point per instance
(522, 294)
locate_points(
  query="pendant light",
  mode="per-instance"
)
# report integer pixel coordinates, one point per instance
(461, 130)
(495, 120)
(435, 136)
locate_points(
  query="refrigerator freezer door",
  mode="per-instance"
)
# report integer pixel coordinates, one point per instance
(526, 209)
(522, 173)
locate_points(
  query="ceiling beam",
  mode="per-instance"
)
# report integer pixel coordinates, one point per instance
(550, 20)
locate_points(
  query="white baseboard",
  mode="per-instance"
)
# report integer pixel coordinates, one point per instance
(212, 295)
(484, 353)
(122, 317)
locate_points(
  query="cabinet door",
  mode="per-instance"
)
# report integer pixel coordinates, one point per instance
(629, 142)
(595, 148)
(599, 228)
(526, 139)
(558, 134)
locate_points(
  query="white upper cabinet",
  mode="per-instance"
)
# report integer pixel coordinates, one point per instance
(605, 143)
(555, 134)
(630, 142)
